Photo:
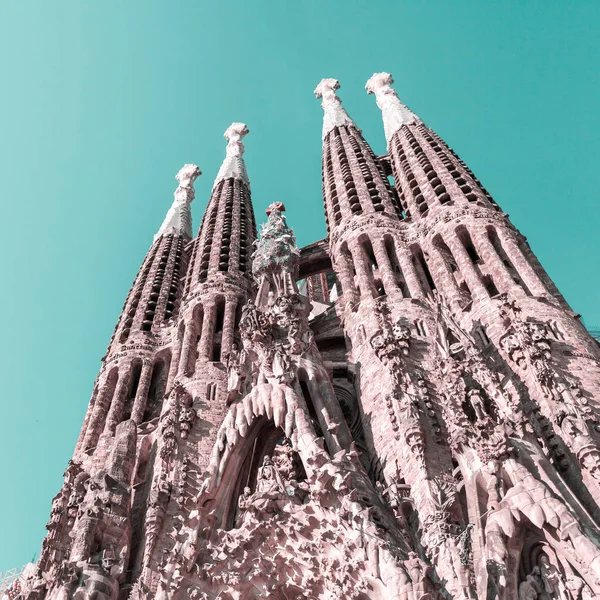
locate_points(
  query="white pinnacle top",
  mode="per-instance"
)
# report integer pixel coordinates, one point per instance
(395, 114)
(233, 165)
(179, 217)
(334, 113)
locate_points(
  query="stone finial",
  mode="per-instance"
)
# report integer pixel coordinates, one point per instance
(334, 114)
(233, 165)
(395, 114)
(234, 134)
(187, 175)
(275, 206)
(179, 217)
(327, 90)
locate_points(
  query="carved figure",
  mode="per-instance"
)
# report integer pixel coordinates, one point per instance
(477, 404)
(552, 580)
(187, 415)
(531, 588)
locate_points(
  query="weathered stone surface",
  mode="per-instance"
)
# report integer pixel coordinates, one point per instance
(406, 410)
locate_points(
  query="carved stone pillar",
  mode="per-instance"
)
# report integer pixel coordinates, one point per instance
(346, 276)
(98, 416)
(86, 422)
(228, 327)
(386, 271)
(363, 272)
(463, 260)
(208, 331)
(525, 270)
(445, 277)
(115, 414)
(502, 276)
(141, 396)
(410, 273)
(187, 347)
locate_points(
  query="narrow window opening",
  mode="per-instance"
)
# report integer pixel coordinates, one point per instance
(497, 244)
(490, 286)
(422, 269)
(390, 248)
(467, 243)
(136, 370)
(218, 332)
(421, 328)
(211, 392)
(156, 392)
(368, 248)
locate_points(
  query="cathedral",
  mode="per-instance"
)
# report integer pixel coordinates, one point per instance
(407, 409)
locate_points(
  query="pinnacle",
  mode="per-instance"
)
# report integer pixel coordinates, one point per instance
(179, 217)
(334, 114)
(394, 113)
(233, 166)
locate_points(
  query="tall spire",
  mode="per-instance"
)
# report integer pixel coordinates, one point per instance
(228, 230)
(334, 113)
(395, 114)
(179, 217)
(233, 165)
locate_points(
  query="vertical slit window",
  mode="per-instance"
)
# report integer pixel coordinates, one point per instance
(390, 248)
(218, 331)
(422, 269)
(497, 244)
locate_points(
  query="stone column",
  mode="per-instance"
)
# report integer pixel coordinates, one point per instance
(115, 414)
(141, 396)
(208, 331)
(445, 279)
(363, 271)
(228, 327)
(88, 418)
(98, 416)
(386, 271)
(410, 273)
(187, 347)
(345, 276)
(525, 270)
(464, 263)
(496, 266)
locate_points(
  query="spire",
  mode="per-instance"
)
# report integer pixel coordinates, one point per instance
(179, 217)
(334, 113)
(395, 114)
(276, 249)
(233, 165)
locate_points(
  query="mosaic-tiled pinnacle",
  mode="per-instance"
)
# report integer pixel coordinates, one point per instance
(334, 113)
(233, 165)
(179, 216)
(395, 114)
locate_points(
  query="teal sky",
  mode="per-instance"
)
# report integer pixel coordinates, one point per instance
(103, 102)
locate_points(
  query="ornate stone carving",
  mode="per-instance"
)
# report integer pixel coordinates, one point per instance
(179, 218)
(334, 114)
(394, 113)
(187, 415)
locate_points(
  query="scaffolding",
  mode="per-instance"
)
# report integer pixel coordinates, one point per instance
(15, 581)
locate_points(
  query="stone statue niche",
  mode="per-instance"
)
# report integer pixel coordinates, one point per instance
(274, 482)
(477, 405)
(544, 577)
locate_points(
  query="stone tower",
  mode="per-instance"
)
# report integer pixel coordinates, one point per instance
(405, 410)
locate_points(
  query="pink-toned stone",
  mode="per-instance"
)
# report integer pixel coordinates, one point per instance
(431, 431)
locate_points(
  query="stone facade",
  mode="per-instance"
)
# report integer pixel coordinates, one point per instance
(406, 410)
